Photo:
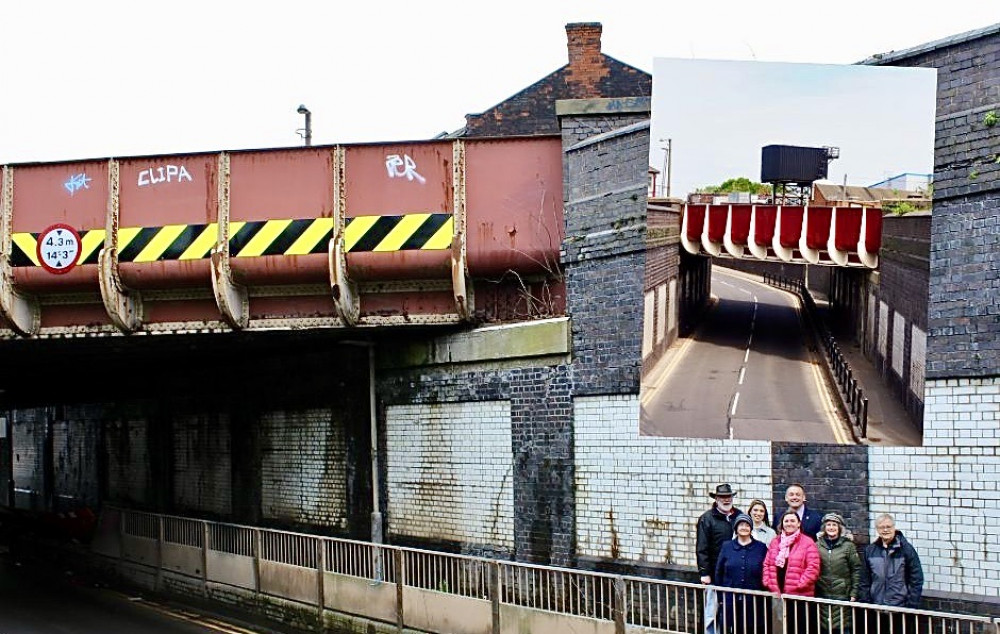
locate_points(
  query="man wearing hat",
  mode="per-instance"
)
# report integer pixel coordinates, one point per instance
(715, 528)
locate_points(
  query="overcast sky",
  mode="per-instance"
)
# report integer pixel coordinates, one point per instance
(880, 118)
(97, 79)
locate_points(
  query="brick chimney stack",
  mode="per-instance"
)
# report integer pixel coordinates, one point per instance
(586, 64)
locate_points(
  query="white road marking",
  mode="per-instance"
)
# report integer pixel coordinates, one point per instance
(743, 372)
(746, 356)
(736, 399)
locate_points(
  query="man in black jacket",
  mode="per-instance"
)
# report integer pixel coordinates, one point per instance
(891, 575)
(715, 528)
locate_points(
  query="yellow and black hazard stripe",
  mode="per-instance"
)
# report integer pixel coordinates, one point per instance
(426, 231)
(25, 252)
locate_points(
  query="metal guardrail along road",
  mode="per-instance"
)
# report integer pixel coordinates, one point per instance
(441, 592)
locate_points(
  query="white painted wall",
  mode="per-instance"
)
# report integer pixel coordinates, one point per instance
(661, 312)
(918, 359)
(944, 495)
(672, 307)
(898, 343)
(647, 323)
(647, 492)
(883, 328)
(450, 472)
(302, 467)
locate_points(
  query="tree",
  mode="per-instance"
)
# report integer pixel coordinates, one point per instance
(739, 184)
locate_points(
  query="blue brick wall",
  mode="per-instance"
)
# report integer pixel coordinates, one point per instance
(964, 309)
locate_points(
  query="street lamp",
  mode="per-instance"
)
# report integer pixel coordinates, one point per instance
(307, 132)
(666, 166)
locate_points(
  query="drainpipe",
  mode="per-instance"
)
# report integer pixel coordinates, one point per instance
(376, 509)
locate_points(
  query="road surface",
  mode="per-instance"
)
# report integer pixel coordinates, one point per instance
(34, 600)
(746, 373)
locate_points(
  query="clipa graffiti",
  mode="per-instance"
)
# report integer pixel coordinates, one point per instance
(163, 174)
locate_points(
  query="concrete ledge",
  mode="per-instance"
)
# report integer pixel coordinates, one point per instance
(543, 338)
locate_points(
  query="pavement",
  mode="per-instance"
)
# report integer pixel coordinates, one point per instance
(889, 424)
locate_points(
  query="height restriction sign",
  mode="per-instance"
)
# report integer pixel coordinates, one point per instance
(58, 248)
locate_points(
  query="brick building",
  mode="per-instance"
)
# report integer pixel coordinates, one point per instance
(588, 74)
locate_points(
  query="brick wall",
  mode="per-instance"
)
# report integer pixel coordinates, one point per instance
(29, 447)
(303, 475)
(202, 465)
(589, 74)
(75, 471)
(835, 479)
(962, 325)
(450, 472)
(129, 478)
(887, 311)
(537, 397)
(944, 495)
(638, 497)
(604, 248)
(660, 316)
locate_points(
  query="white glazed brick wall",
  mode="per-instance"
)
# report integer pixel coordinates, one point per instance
(661, 312)
(28, 440)
(918, 358)
(647, 324)
(646, 493)
(898, 341)
(128, 472)
(450, 470)
(202, 467)
(944, 495)
(303, 467)
(883, 327)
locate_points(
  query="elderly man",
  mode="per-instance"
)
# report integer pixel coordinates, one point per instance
(714, 528)
(811, 521)
(891, 574)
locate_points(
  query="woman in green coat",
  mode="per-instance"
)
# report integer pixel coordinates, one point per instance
(839, 575)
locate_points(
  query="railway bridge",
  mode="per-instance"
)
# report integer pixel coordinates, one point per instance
(294, 339)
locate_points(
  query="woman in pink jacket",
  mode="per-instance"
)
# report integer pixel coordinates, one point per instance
(792, 567)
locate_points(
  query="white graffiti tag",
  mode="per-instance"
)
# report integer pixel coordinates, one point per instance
(403, 167)
(163, 174)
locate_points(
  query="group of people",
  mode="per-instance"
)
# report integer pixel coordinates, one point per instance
(805, 553)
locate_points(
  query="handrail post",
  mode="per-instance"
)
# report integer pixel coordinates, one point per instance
(618, 605)
(159, 553)
(494, 581)
(256, 562)
(864, 418)
(777, 614)
(320, 581)
(205, 543)
(400, 582)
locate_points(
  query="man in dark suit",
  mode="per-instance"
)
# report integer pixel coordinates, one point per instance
(812, 521)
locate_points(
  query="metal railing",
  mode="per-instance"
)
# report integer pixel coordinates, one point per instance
(624, 601)
(849, 389)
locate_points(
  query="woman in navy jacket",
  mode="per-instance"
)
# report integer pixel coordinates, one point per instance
(741, 565)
